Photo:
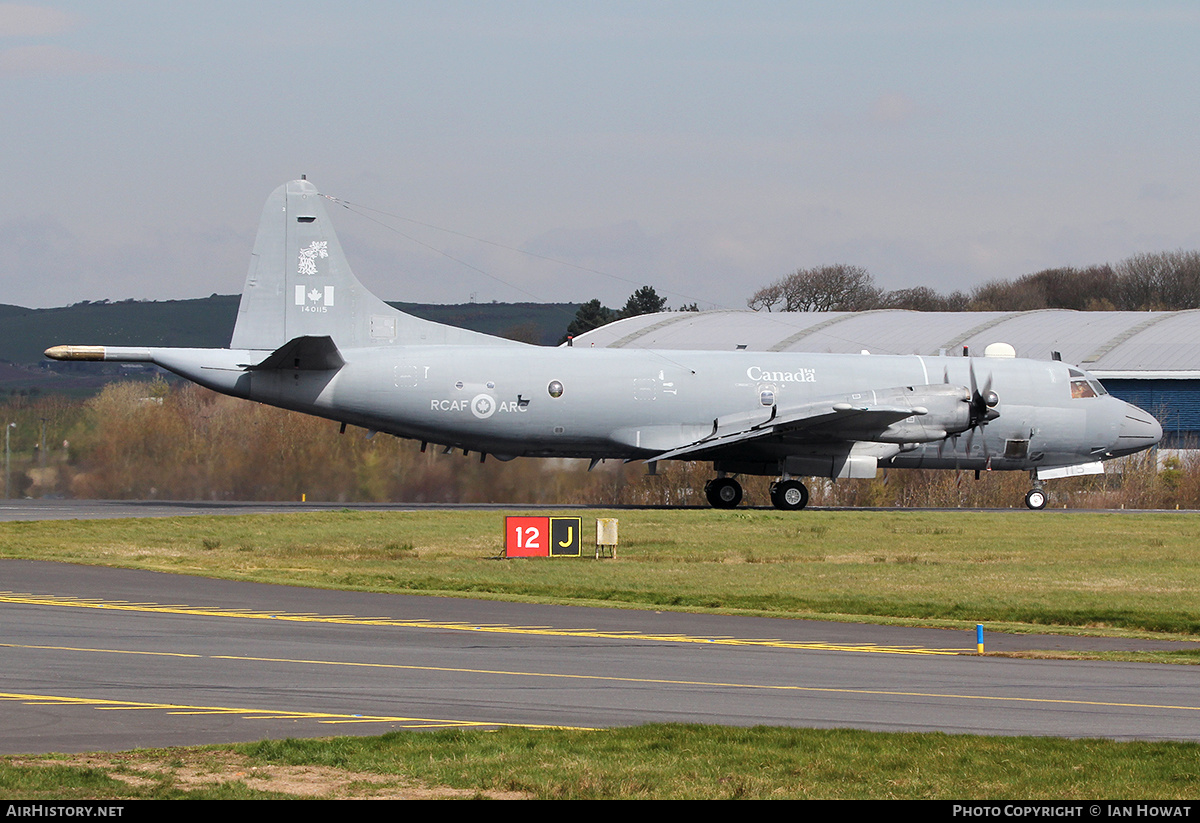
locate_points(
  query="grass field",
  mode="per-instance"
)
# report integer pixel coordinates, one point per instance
(1014, 570)
(666, 761)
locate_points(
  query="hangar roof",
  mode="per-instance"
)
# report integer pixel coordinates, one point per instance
(1109, 344)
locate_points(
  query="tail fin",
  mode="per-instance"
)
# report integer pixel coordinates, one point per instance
(300, 285)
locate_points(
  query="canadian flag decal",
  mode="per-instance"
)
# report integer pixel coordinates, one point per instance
(311, 295)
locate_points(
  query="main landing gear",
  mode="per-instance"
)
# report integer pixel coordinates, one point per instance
(723, 493)
(786, 494)
(789, 495)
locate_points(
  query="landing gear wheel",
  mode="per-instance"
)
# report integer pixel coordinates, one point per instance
(1036, 499)
(789, 495)
(723, 493)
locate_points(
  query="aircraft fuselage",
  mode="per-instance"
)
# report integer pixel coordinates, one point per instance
(627, 404)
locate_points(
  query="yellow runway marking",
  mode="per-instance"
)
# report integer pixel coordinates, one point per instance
(545, 631)
(259, 714)
(109, 651)
(590, 678)
(713, 684)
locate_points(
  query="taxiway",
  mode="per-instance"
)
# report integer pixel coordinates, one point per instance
(106, 659)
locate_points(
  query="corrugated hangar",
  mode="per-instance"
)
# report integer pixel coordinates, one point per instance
(1151, 359)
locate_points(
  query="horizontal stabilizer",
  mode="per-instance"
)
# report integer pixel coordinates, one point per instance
(304, 354)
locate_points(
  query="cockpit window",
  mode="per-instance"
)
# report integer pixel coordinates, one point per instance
(1083, 388)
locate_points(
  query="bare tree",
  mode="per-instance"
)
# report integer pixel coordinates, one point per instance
(838, 287)
(768, 297)
(1021, 294)
(1161, 281)
(923, 298)
(1166, 280)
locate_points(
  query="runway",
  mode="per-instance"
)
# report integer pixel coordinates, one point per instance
(44, 509)
(51, 509)
(109, 659)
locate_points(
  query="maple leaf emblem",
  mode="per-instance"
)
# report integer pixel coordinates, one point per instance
(308, 256)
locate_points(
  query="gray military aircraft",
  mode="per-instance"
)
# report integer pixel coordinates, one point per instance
(310, 337)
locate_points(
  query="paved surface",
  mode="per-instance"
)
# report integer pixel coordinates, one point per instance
(106, 509)
(43, 509)
(99, 658)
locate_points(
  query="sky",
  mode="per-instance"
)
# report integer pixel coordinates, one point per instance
(560, 151)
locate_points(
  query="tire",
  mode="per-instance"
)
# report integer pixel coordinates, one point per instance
(789, 495)
(1036, 499)
(723, 493)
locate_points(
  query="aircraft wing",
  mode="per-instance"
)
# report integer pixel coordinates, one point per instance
(820, 421)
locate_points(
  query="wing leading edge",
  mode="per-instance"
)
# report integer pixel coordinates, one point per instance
(891, 416)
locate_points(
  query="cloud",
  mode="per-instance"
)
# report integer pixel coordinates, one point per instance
(33, 21)
(1160, 192)
(613, 241)
(893, 108)
(26, 60)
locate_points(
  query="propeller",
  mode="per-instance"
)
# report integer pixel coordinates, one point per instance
(982, 408)
(983, 403)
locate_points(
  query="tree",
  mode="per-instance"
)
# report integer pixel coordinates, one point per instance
(838, 287)
(1162, 281)
(1060, 288)
(591, 315)
(768, 297)
(643, 301)
(923, 298)
(1071, 288)
(1022, 294)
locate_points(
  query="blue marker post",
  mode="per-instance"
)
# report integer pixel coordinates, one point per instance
(979, 638)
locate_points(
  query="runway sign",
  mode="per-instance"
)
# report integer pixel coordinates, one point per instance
(542, 536)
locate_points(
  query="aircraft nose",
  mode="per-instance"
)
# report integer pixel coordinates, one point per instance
(1139, 430)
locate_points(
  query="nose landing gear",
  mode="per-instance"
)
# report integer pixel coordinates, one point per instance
(1037, 497)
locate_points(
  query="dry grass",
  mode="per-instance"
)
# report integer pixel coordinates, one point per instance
(645, 762)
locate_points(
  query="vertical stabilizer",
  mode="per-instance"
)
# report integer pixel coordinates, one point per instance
(299, 284)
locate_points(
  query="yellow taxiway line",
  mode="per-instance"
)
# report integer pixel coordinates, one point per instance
(258, 714)
(497, 628)
(354, 718)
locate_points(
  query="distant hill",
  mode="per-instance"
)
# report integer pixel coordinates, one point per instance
(208, 323)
